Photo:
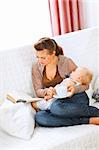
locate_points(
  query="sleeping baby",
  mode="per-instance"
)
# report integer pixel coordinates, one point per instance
(81, 76)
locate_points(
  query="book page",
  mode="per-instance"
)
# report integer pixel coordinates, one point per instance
(17, 96)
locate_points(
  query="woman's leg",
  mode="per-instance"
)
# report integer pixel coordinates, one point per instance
(76, 106)
(47, 119)
(69, 112)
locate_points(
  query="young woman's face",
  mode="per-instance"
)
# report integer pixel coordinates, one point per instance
(44, 57)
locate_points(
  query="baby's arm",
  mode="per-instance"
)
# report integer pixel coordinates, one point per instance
(70, 86)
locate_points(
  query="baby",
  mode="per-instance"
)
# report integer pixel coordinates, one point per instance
(81, 76)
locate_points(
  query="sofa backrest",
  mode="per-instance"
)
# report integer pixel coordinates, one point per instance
(15, 70)
(16, 64)
(82, 46)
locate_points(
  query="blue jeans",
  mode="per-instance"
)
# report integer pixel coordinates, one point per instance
(67, 112)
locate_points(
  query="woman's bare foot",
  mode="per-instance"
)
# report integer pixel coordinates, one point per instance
(94, 120)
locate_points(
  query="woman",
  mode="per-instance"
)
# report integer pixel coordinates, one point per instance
(49, 70)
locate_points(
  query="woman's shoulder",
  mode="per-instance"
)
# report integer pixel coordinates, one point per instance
(34, 64)
(64, 59)
(37, 66)
(66, 64)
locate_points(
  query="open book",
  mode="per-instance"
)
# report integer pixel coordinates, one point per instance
(17, 96)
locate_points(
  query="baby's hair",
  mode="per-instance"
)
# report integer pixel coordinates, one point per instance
(87, 74)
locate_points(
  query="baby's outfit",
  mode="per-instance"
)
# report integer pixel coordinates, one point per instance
(61, 93)
(43, 104)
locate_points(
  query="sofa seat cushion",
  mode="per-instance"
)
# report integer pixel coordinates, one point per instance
(75, 137)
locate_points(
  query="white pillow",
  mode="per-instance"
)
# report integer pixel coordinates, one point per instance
(17, 119)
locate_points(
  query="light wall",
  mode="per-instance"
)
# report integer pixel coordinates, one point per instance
(22, 22)
(91, 13)
(25, 21)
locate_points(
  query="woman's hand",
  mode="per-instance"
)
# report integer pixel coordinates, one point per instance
(49, 94)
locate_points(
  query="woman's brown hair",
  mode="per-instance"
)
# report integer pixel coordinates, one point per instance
(49, 44)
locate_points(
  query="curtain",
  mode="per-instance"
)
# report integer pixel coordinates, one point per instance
(65, 16)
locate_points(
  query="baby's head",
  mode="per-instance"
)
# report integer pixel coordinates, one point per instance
(82, 75)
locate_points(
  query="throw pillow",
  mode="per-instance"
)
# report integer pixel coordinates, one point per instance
(95, 94)
(17, 119)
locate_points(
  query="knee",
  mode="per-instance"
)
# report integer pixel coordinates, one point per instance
(58, 108)
(64, 109)
(55, 107)
(41, 118)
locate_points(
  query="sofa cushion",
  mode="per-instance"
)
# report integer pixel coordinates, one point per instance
(17, 119)
(15, 70)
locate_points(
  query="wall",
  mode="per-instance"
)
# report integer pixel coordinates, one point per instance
(22, 22)
(91, 13)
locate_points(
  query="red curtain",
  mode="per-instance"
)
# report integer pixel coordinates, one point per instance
(65, 15)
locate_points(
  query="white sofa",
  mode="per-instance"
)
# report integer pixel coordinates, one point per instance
(15, 73)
